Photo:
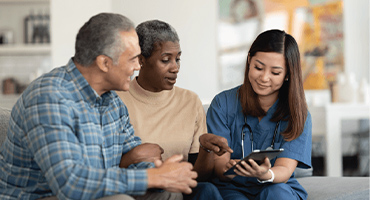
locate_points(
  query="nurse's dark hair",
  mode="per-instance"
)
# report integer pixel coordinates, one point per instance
(292, 103)
(154, 32)
(101, 35)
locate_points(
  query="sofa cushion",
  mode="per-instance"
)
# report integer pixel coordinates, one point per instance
(300, 172)
(338, 188)
(4, 120)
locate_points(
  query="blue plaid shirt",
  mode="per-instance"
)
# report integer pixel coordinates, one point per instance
(65, 140)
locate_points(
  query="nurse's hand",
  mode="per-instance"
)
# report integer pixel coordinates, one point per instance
(253, 169)
(230, 164)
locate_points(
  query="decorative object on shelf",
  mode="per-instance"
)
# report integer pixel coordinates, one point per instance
(6, 36)
(36, 28)
(348, 90)
(348, 86)
(364, 92)
(9, 86)
(12, 86)
(241, 10)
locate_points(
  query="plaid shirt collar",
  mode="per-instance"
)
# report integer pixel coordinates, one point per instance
(87, 92)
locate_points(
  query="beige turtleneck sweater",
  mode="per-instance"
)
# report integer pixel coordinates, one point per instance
(174, 119)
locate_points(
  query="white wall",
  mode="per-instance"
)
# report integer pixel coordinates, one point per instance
(67, 17)
(195, 23)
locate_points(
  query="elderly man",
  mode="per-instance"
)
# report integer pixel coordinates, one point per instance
(70, 136)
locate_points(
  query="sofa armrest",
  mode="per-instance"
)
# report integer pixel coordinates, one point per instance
(300, 172)
(4, 121)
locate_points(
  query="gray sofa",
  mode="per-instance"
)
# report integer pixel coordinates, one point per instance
(318, 187)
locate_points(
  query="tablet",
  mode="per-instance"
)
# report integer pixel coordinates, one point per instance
(258, 156)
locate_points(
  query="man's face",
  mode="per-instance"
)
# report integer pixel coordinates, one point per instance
(120, 73)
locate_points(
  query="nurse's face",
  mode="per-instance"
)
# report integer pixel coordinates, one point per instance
(267, 72)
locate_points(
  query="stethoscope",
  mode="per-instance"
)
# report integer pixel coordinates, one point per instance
(250, 130)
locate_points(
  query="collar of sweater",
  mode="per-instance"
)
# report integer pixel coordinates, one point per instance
(149, 97)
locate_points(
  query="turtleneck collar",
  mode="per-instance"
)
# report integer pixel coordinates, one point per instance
(149, 97)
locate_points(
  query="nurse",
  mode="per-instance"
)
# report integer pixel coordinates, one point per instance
(267, 111)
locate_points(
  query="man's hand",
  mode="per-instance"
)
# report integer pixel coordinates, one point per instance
(215, 143)
(147, 152)
(172, 175)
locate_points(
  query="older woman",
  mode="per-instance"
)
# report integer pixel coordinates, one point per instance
(170, 116)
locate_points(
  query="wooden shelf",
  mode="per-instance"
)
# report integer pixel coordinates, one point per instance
(25, 49)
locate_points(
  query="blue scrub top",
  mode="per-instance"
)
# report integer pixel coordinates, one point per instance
(225, 118)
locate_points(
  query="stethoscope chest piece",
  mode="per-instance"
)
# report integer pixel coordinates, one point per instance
(269, 148)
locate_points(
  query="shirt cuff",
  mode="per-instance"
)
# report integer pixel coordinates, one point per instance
(137, 181)
(141, 165)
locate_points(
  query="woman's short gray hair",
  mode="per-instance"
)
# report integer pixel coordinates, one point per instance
(101, 36)
(153, 32)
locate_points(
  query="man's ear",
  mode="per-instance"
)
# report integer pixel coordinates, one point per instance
(104, 63)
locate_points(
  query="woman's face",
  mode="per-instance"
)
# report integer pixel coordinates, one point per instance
(159, 71)
(267, 72)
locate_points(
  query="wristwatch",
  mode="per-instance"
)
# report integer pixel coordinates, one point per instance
(270, 180)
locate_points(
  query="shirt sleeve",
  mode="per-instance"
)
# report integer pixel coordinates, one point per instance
(62, 158)
(200, 126)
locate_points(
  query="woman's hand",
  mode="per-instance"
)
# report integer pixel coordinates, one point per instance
(215, 143)
(147, 152)
(253, 169)
(230, 164)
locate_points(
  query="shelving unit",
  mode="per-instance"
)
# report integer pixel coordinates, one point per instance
(19, 60)
(12, 19)
(25, 49)
(24, 1)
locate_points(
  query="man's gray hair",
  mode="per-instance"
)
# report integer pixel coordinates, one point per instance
(101, 36)
(154, 32)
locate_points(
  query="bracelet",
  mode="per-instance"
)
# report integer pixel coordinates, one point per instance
(205, 149)
(270, 180)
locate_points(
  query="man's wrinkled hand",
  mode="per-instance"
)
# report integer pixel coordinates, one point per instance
(173, 175)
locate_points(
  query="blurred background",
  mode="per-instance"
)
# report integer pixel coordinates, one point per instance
(333, 35)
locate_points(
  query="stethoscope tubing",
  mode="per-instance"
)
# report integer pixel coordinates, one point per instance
(250, 130)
